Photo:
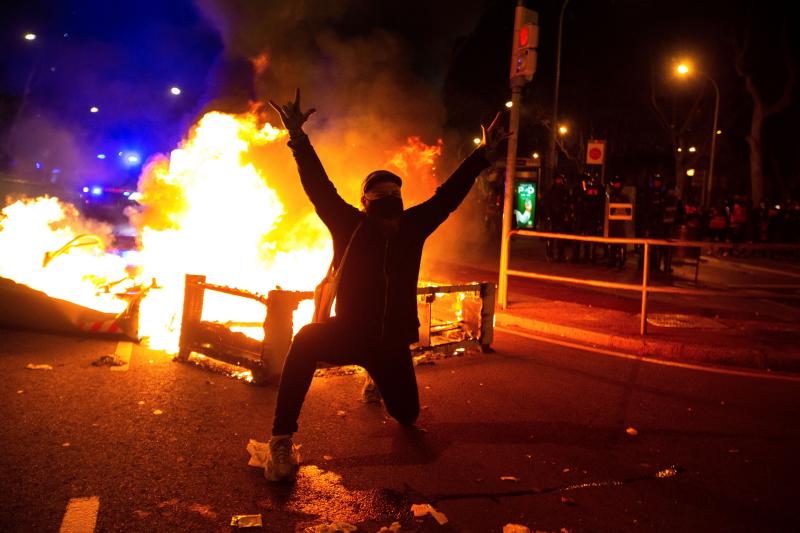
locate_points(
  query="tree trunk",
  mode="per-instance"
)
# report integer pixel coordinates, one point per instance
(762, 109)
(756, 154)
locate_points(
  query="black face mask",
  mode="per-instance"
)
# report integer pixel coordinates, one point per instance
(386, 207)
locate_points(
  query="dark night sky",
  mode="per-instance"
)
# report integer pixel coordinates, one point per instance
(124, 57)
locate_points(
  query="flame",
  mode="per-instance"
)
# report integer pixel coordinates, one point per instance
(206, 209)
(32, 231)
(419, 160)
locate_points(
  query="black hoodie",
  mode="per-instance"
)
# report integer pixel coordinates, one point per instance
(377, 295)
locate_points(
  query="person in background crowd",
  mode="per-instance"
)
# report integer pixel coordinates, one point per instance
(589, 206)
(655, 216)
(617, 253)
(717, 227)
(739, 221)
(557, 216)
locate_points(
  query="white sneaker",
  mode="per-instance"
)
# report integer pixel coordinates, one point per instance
(370, 392)
(283, 459)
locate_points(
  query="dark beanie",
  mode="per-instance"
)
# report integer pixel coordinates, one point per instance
(379, 176)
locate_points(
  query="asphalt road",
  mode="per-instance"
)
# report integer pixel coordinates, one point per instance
(554, 418)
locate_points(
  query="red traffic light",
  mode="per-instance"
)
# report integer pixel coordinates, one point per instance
(523, 36)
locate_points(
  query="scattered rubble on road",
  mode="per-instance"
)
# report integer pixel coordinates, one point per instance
(421, 509)
(246, 520)
(203, 510)
(32, 366)
(333, 527)
(516, 528)
(108, 360)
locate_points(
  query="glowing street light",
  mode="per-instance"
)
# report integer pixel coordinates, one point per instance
(30, 36)
(509, 104)
(132, 159)
(684, 69)
(536, 155)
(692, 149)
(175, 90)
(476, 140)
(562, 130)
(94, 109)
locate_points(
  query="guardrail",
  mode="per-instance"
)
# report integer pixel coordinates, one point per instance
(645, 288)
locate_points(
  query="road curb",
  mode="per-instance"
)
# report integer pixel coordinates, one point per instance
(647, 346)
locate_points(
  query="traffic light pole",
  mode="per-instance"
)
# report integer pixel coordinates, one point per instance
(511, 164)
(508, 195)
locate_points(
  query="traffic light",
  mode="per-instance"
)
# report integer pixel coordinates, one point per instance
(526, 39)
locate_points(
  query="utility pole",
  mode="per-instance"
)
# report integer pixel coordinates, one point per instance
(550, 161)
(523, 65)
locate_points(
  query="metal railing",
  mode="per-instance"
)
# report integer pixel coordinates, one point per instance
(644, 287)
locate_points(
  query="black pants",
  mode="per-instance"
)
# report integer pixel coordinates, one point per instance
(390, 367)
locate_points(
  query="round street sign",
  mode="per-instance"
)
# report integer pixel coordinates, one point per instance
(595, 152)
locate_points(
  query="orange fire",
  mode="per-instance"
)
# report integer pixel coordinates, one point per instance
(206, 209)
(418, 159)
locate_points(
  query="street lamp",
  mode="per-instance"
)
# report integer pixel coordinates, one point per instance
(683, 70)
(562, 130)
(30, 36)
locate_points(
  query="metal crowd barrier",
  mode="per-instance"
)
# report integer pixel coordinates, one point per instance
(264, 359)
(645, 288)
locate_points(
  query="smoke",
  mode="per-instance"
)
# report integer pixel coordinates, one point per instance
(56, 161)
(373, 91)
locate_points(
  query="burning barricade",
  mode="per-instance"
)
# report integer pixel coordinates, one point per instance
(207, 209)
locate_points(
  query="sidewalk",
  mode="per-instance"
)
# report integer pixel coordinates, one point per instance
(743, 332)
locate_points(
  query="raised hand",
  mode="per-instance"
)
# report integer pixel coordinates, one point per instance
(291, 115)
(494, 135)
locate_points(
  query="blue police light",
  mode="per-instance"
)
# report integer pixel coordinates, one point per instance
(97, 191)
(38, 165)
(101, 156)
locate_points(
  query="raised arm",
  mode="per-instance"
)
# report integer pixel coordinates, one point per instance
(330, 207)
(452, 192)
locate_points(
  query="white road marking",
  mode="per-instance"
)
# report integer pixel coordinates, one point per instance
(123, 352)
(81, 515)
(644, 359)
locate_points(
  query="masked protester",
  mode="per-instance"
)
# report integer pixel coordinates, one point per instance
(376, 303)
